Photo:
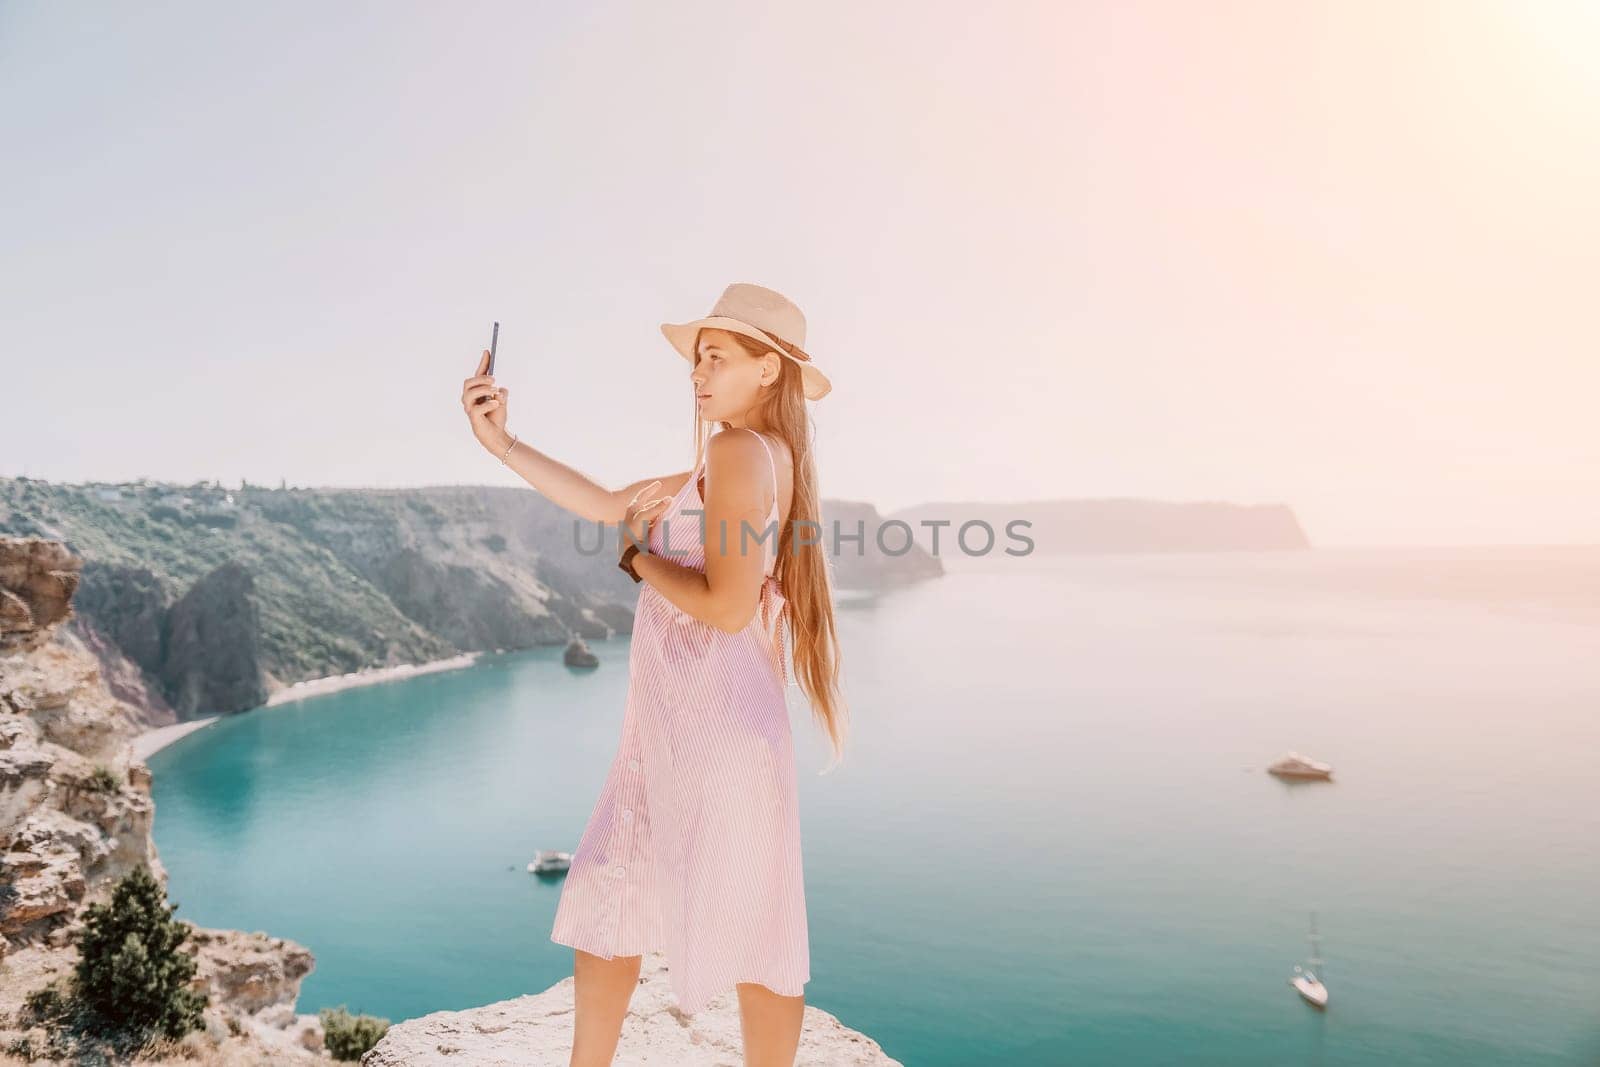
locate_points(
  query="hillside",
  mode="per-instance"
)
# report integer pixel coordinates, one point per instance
(201, 600)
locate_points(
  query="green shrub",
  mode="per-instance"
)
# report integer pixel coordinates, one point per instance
(67, 1034)
(132, 976)
(50, 1006)
(349, 1037)
(102, 780)
(24, 1049)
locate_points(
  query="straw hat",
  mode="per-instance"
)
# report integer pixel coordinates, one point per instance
(763, 314)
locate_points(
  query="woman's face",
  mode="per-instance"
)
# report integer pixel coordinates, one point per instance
(727, 381)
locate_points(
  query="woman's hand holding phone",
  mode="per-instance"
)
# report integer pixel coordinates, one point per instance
(486, 404)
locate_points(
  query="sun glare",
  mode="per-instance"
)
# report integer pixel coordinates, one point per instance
(1564, 33)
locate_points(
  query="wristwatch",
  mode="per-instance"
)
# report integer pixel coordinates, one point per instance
(626, 562)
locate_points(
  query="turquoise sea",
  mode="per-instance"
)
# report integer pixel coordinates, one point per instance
(1052, 842)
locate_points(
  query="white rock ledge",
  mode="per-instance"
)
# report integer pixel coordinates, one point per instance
(535, 1030)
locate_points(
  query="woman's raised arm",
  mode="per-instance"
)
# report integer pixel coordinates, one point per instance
(487, 405)
(575, 491)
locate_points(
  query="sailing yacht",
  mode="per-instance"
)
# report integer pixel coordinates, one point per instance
(1305, 980)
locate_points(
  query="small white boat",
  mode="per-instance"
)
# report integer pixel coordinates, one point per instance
(1295, 765)
(1305, 980)
(1310, 987)
(547, 861)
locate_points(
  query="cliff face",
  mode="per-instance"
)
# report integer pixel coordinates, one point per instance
(869, 557)
(211, 644)
(76, 815)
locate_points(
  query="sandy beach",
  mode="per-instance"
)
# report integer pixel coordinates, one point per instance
(157, 738)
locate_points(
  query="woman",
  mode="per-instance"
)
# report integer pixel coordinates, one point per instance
(693, 847)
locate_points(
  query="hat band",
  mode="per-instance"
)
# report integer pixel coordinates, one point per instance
(798, 353)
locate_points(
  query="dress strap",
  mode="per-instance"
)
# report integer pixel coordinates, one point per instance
(772, 516)
(771, 463)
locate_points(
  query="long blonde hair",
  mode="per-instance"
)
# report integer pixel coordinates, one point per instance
(805, 573)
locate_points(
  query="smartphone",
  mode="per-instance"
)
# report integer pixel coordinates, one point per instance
(494, 342)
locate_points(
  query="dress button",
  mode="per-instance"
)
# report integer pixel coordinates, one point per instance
(627, 813)
(618, 871)
(633, 765)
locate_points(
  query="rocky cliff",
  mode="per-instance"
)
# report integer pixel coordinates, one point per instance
(536, 1031)
(76, 815)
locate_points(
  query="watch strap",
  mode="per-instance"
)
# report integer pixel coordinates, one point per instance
(626, 562)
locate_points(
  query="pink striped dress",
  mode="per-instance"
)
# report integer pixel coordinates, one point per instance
(693, 847)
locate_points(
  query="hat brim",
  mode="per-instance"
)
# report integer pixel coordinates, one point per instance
(681, 335)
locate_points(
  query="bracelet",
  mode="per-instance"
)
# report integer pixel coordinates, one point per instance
(509, 447)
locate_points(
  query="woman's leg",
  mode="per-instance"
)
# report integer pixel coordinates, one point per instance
(770, 1024)
(601, 991)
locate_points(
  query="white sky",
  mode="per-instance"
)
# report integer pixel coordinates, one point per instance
(1338, 255)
